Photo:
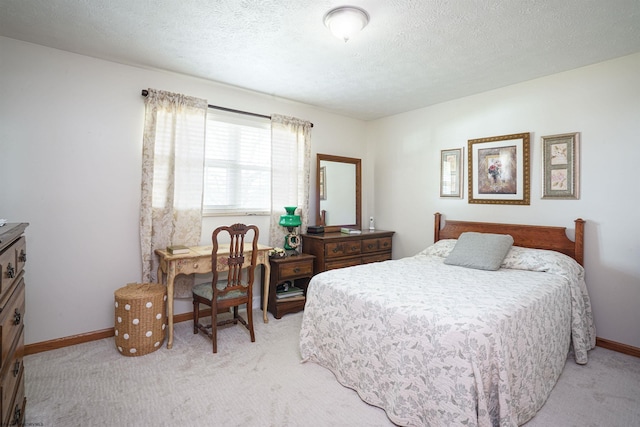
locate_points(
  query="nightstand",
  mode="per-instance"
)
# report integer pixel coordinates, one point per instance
(293, 270)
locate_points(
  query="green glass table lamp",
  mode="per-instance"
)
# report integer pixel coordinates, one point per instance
(291, 221)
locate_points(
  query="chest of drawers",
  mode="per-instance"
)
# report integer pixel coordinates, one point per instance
(13, 256)
(338, 250)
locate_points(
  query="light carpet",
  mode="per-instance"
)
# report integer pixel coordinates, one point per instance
(264, 384)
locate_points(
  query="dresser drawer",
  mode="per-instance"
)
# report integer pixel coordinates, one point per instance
(12, 379)
(342, 263)
(13, 413)
(21, 253)
(340, 249)
(8, 270)
(375, 245)
(296, 269)
(11, 321)
(376, 258)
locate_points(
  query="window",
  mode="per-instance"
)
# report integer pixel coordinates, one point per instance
(237, 165)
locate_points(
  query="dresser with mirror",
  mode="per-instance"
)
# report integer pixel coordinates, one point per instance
(338, 205)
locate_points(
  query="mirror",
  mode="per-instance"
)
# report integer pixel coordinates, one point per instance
(338, 192)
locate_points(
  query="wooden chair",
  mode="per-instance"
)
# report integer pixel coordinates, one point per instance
(223, 294)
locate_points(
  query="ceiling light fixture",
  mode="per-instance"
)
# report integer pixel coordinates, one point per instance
(346, 21)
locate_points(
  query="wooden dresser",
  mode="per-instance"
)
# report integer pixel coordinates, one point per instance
(338, 250)
(13, 255)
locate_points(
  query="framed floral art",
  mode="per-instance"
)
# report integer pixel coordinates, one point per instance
(560, 166)
(498, 169)
(451, 173)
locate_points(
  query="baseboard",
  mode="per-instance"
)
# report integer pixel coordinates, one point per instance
(619, 347)
(93, 336)
(106, 333)
(67, 341)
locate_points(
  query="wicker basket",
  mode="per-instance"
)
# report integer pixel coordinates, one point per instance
(140, 318)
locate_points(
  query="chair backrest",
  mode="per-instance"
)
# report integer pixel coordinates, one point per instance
(239, 237)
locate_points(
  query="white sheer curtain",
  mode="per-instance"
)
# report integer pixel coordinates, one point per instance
(172, 178)
(290, 169)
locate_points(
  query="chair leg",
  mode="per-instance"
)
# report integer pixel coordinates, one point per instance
(214, 326)
(250, 321)
(235, 315)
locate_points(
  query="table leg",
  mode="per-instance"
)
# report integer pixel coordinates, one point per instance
(171, 274)
(265, 292)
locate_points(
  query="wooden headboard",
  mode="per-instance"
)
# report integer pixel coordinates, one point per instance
(528, 236)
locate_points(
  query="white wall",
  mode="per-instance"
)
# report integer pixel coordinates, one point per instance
(70, 165)
(602, 102)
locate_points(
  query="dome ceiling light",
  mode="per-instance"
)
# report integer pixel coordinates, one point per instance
(346, 21)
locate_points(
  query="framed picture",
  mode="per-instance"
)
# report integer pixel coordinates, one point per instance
(499, 170)
(560, 166)
(323, 183)
(451, 173)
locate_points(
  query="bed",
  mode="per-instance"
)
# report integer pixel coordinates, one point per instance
(435, 344)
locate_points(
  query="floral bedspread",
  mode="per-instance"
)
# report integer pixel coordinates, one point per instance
(437, 345)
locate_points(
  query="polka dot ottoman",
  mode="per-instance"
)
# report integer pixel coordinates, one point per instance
(140, 318)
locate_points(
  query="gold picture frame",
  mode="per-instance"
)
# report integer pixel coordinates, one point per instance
(560, 166)
(451, 173)
(498, 169)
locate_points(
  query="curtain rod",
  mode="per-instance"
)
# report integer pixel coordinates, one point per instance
(231, 110)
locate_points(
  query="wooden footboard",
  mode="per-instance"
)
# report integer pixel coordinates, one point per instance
(528, 236)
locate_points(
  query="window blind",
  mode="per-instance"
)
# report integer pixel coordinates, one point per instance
(237, 177)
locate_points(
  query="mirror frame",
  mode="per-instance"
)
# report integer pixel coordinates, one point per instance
(358, 195)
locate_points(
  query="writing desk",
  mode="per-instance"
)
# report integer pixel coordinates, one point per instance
(198, 260)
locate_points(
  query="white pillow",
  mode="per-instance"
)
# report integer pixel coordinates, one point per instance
(441, 248)
(482, 251)
(519, 258)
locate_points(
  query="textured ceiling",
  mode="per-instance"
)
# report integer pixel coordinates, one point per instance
(413, 53)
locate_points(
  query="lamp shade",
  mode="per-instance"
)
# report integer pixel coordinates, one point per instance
(290, 219)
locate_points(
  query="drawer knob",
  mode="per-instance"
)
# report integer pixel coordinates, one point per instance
(23, 256)
(370, 246)
(11, 272)
(296, 270)
(17, 317)
(337, 249)
(17, 416)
